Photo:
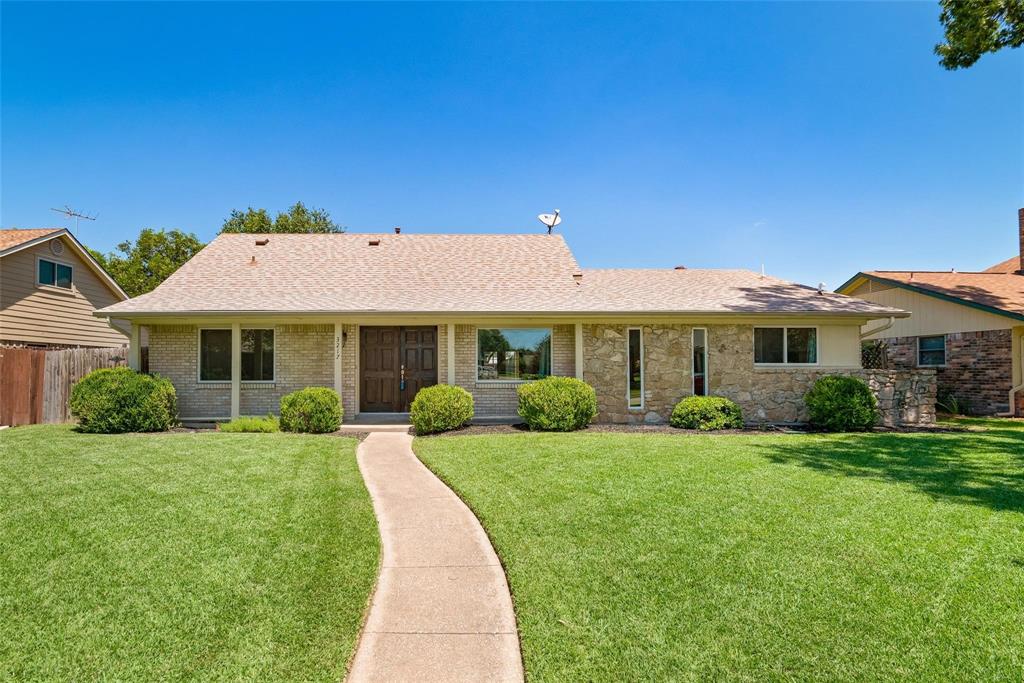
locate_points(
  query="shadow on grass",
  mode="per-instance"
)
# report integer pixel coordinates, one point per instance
(982, 468)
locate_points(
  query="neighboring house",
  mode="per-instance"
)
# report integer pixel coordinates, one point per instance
(378, 316)
(968, 326)
(49, 288)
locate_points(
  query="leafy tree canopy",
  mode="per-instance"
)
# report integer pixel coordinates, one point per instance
(142, 265)
(296, 219)
(974, 27)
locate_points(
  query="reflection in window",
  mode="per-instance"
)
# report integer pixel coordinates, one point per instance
(700, 362)
(790, 345)
(214, 355)
(801, 345)
(258, 355)
(513, 353)
(636, 369)
(54, 274)
(931, 350)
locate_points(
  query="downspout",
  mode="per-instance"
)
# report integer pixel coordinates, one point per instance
(883, 328)
(1013, 412)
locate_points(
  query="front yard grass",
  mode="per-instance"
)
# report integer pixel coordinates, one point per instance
(170, 556)
(751, 557)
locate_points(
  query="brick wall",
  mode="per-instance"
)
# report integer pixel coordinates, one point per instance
(978, 370)
(303, 358)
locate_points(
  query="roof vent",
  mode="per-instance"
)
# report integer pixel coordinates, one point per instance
(680, 268)
(398, 229)
(577, 276)
(374, 243)
(262, 242)
(253, 261)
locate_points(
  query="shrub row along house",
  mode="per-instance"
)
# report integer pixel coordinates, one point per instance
(968, 326)
(379, 316)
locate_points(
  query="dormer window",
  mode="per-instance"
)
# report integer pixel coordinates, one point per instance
(53, 274)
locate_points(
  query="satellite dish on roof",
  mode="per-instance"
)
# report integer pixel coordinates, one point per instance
(550, 219)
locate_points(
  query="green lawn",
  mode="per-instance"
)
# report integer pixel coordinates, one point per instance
(158, 557)
(752, 557)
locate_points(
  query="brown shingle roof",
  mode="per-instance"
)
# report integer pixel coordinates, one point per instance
(463, 273)
(1001, 292)
(1010, 265)
(14, 237)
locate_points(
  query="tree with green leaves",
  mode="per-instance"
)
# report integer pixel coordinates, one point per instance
(297, 219)
(975, 27)
(142, 265)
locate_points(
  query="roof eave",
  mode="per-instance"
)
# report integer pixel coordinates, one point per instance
(938, 295)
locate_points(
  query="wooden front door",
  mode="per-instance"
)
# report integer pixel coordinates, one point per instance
(389, 355)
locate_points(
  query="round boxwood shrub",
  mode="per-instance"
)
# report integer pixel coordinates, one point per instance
(706, 413)
(557, 404)
(118, 400)
(315, 410)
(837, 403)
(440, 408)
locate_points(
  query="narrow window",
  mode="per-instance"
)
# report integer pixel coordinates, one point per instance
(786, 345)
(54, 274)
(636, 369)
(700, 362)
(214, 355)
(931, 350)
(257, 355)
(513, 354)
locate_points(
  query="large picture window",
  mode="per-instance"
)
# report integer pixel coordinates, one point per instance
(513, 353)
(931, 350)
(257, 355)
(54, 274)
(786, 345)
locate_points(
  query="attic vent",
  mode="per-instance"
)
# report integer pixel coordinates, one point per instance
(374, 243)
(56, 247)
(262, 242)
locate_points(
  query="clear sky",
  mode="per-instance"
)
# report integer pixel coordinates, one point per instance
(819, 139)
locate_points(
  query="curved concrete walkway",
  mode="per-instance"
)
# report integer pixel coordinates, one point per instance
(441, 610)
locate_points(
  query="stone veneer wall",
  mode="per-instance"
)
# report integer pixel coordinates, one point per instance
(496, 398)
(764, 394)
(303, 358)
(979, 367)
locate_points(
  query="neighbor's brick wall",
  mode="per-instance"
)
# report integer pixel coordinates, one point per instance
(979, 367)
(491, 399)
(303, 358)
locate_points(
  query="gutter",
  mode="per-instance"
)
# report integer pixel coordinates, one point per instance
(892, 321)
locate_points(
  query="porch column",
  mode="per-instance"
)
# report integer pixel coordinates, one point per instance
(579, 351)
(134, 349)
(451, 353)
(338, 342)
(236, 369)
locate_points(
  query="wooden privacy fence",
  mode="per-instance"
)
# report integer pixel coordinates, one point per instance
(35, 384)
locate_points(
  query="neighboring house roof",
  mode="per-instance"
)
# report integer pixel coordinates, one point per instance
(1010, 265)
(15, 240)
(455, 273)
(999, 293)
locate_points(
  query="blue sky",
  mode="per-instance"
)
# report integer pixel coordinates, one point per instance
(819, 139)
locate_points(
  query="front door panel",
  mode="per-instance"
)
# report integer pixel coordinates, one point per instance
(419, 358)
(389, 354)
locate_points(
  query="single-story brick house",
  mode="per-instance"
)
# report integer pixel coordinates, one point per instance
(969, 326)
(377, 316)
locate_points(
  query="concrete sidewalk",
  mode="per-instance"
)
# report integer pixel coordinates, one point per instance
(441, 610)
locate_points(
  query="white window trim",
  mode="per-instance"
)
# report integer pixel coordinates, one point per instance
(707, 373)
(945, 351)
(785, 346)
(227, 382)
(54, 288)
(506, 382)
(629, 371)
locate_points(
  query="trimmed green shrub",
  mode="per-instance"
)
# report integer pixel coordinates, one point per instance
(706, 413)
(261, 425)
(315, 410)
(837, 403)
(557, 404)
(118, 400)
(440, 408)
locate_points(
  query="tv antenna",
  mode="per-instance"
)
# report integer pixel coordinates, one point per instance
(77, 215)
(550, 219)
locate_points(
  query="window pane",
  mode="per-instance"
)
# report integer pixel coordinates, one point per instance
(63, 276)
(636, 370)
(258, 355)
(215, 355)
(47, 272)
(699, 363)
(801, 345)
(768, 344)
(931, 351)
(513, 353)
